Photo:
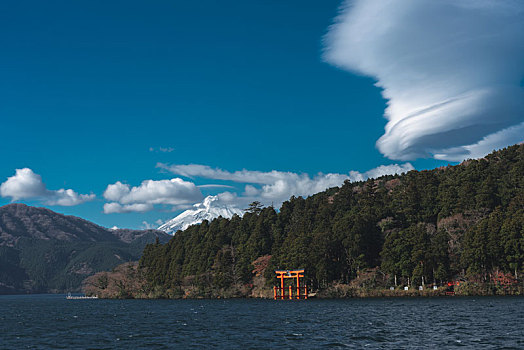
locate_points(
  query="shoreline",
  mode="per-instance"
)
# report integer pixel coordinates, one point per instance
(127, 281)
(334, 294)
(328, 294)
(384, 296)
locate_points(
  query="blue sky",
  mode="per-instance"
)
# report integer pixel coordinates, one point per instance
(96, 93)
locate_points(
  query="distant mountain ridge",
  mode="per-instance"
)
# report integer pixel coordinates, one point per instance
(209, 209)
(44, 251)
(20, 220)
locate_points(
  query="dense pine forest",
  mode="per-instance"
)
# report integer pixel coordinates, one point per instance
(456, 222)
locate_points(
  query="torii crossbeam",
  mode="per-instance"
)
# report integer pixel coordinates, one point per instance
(280, 292)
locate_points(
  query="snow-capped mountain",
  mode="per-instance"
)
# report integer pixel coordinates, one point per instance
(209, 209)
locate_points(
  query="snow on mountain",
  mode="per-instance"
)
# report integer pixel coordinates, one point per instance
(209, 209)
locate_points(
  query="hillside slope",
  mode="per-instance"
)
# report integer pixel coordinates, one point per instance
(44, 251)
(463, 221)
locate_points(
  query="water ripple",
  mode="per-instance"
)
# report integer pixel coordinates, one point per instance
(50, 321)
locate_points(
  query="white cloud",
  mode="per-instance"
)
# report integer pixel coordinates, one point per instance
(147, 226)
(227, 197)
(110, 208)
(67, 198)
(275, 187)
(381, 171)
(198, 170)
(290, 184)
(175, 192)
(25, 184)
(214, 186)
(450, 70)
(116, 191)
(161, 149)
(486, 145)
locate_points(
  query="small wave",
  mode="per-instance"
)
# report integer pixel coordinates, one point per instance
(332, 345)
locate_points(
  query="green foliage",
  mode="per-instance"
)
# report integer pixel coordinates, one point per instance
(11, 274)
(421, 226)
(40, 266)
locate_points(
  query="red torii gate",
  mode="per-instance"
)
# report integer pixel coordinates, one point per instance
(280, 292)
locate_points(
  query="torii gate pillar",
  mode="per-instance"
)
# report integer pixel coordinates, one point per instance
(280, 292)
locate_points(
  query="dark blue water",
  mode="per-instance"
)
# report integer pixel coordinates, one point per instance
(51, 321)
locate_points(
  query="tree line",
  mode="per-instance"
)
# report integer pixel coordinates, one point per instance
(422, 226)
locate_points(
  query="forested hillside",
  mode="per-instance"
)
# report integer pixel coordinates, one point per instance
(43, 251)
(457, 221)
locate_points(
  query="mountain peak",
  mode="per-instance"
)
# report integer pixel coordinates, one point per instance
(210, 208)
(207, 203)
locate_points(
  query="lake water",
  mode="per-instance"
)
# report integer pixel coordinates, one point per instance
(51, 321)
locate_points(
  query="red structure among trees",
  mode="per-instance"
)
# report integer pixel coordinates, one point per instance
(284, 292)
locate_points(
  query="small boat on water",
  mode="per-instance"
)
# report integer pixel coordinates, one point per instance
(77, 297)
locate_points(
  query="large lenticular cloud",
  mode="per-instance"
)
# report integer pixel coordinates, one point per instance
(451, 70)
